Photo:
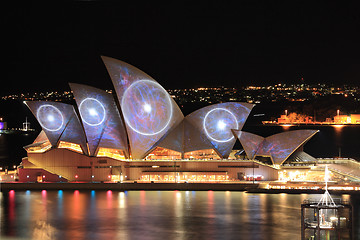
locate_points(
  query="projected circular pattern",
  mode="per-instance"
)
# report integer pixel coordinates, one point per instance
(218, 123)
(92, 111)
(50, 117)
(147, 107)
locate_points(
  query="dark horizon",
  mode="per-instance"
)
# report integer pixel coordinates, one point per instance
(182, 44)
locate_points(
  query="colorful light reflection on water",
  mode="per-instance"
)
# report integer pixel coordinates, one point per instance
(151, 215)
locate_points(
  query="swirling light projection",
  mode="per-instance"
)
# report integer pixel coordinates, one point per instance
(92, 112)
(50, 117)
(218, 123)
(250, 142)
(147, 107)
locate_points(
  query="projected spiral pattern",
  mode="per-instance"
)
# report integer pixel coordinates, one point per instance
(50, 117)
(218, 123)
(92, 111)
(147, 107)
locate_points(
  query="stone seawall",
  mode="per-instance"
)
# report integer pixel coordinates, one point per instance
(129, 186)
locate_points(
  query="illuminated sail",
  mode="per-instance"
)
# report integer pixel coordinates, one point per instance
(148, 110)
(59, 122)
(101, 119)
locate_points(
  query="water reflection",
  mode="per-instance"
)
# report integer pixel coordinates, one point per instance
(11, 213)
(151, 215)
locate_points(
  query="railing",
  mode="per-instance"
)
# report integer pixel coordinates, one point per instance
(341, 172)
(337, 160)
(336, 201)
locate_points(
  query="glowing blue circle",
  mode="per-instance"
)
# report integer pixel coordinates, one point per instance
(92, 112)
(50, 117)
(218, 123)
(147, 107)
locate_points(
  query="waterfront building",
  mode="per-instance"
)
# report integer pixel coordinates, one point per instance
(345, 119)
(142, 135)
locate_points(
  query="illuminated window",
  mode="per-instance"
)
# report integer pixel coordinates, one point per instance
(39, 147)
(71, 146)
(111, 153)
(160, 153)
(202, 154)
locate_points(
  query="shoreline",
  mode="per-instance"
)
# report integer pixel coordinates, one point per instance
(246, 187)
(129, 186)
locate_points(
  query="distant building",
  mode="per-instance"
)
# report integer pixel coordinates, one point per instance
(3, 125)
(345, 119)
(283, 119)
(342, 119)
(294, 118)
(355, 118)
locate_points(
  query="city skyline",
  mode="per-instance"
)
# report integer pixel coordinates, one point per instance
(205, 44)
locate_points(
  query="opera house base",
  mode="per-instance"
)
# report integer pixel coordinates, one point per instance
(61, 165)
(248, 187)
(129, 186)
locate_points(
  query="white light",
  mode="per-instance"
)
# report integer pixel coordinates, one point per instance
(44, 109)
(92, 112)
(51, 118)
(128, 114)
(147, 108)
(221, 125)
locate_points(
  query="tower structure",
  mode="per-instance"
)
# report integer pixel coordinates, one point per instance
(327, 218)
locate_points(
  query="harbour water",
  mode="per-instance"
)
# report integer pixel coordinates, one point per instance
(153, 215)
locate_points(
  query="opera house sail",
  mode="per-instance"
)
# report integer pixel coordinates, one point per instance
(278, 147)
(59, 122)
(141, 134)
(101, 120)
(148, 109)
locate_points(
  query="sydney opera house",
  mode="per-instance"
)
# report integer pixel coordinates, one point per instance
(142, 135)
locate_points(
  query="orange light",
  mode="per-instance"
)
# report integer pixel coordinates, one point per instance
(76, 176)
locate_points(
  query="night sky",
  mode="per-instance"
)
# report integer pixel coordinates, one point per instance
(181, 44)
